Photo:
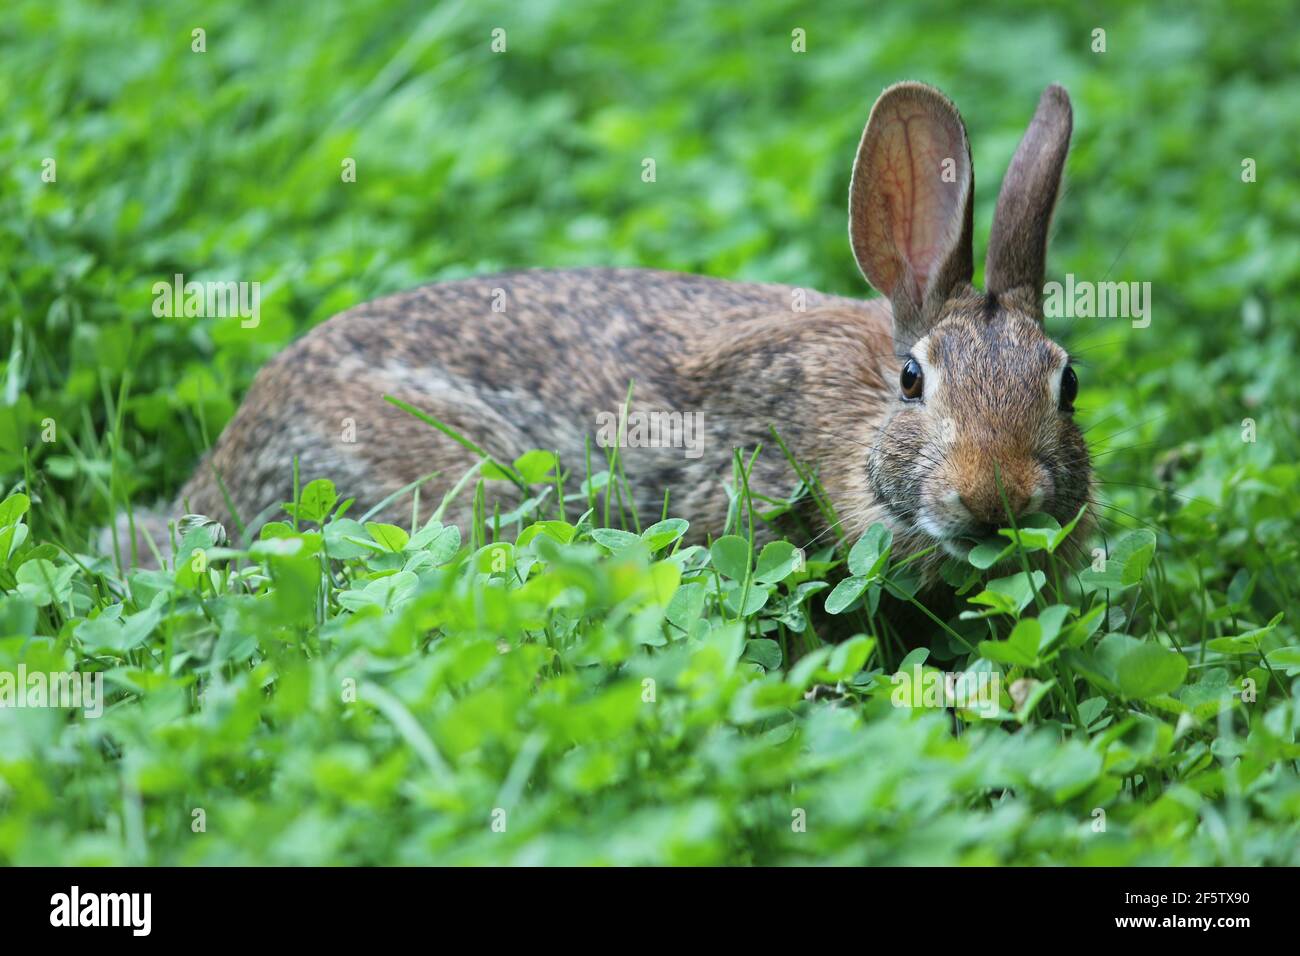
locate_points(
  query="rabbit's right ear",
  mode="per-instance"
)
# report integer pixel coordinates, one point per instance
(1017, 255)
(910, 205)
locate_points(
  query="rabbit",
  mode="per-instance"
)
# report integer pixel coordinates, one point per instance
(931, 410)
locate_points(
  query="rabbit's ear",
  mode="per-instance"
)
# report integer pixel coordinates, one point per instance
(1018, 241)
(910, 205)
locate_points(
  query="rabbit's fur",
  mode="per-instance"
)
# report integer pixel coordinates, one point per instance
(989, 423)
(537, 375)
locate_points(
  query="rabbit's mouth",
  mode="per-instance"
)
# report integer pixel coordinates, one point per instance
(959, 548)
(956, 539)
(955, 542)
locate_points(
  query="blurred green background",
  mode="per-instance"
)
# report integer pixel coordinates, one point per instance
(226, 165)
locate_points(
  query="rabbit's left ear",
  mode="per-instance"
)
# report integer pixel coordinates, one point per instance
(910, 205)
(1017, 255)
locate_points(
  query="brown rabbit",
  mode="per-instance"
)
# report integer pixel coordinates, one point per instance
(911, 411)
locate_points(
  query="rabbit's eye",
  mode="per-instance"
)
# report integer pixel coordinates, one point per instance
(911, 380)
(1069, 388)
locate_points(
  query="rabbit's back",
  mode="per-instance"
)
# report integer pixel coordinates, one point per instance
(512, 362)
(564, 337)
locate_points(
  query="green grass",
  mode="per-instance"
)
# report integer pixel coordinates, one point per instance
(554, 688)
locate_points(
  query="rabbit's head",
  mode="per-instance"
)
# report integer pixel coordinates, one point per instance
(981, 420)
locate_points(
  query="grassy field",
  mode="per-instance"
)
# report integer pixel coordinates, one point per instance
(567, 691)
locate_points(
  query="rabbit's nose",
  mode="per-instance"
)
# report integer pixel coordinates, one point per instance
(984, 500)
(988, 511)
(990, 480)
